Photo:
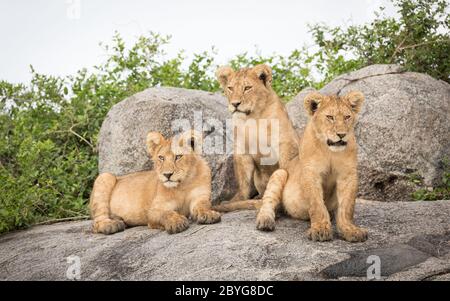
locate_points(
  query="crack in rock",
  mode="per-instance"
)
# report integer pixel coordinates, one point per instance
(395, 258)
(353, 80)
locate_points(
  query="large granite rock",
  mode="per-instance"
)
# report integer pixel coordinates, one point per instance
(403, 130)
(411, 240)
(122, 135)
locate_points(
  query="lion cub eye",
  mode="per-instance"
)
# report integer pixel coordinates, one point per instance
(330, 118)
(247, 88)
(178, 157)
(161, 158)
(230, 88)
(347, 117)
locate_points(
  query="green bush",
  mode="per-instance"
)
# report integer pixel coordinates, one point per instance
(418, 39)
(441, 192)
(49, 127)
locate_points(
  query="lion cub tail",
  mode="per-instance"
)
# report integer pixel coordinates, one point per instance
(238, 205)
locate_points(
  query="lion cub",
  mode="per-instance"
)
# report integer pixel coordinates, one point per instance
(252, 101)
(163, 198)
(323, 178)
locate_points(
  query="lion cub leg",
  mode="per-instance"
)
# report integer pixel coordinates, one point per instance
(200, 211)
(244, 168)
(261, 179)
(320, 229)
(265, 219)
(168, 220)
(320, 223)
(99, 205)
(346, 194)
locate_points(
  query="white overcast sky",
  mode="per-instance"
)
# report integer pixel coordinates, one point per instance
(59, 37)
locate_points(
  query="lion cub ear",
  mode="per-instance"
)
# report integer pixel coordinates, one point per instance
(355, 99)
(223, 75)
(312, 102)
(154, 139)
(193, 140)
(264, 73)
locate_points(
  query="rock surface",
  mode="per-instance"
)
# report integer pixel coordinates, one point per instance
(122, 135)
(403, 130)
(412, 240)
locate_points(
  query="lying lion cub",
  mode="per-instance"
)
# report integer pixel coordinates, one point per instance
(178, 187)
(324, 178)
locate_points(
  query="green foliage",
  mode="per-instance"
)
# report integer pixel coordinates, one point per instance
(49, 127)
(419, 39)
(441, 192)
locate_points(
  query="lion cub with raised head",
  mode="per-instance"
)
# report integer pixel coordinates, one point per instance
(178, 187)
(251, 99)
(324, 177)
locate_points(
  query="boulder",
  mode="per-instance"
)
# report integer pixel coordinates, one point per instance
(122, 135)
(403, 131)
(409, 240)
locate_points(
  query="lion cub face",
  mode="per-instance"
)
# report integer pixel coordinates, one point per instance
(245, 89)
(334, 117)
(173, 158)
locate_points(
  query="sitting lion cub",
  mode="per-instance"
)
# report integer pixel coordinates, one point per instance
(252, 101)
(323, 178)
(178, 187)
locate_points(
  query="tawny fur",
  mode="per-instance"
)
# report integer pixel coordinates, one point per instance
(238, 205)
(323, 179)
(149, 198)
(251, 88)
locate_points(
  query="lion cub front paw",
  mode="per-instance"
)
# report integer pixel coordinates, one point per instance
(176, 224)
(355, 234)
(207, 217)
(265, 222)
(108, 226)
(320, 232)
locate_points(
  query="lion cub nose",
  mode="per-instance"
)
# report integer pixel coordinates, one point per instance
(341, 135)
(168, 175)
(236, 104)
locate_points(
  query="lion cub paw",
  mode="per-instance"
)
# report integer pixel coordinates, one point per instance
(108, 226)
(176, 224)
(355, 234)
(265, 222)
(320, 232)
(207, 217)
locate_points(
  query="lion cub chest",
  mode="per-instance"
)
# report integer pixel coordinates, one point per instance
(338, 168)
(329, 178)
(175, 199)
(259, 139)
